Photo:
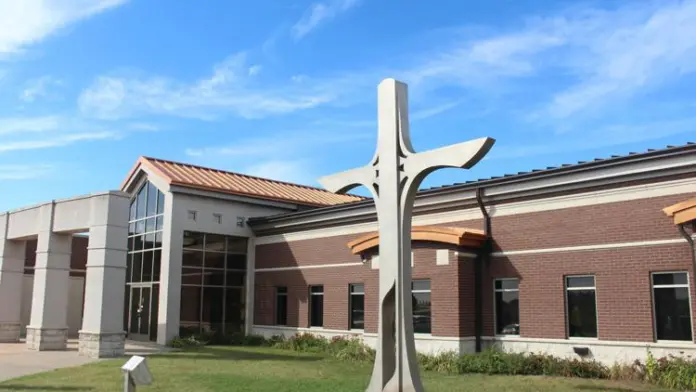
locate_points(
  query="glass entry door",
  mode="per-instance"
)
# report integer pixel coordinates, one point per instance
(142, 311)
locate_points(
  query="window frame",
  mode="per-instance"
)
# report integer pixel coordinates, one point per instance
(495, 306)
(350, 305)
(565, 300)
(429, 291)
(309, 307)
(277, 295)
(654, 312)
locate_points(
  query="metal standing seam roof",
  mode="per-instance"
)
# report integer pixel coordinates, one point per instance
(198, 177)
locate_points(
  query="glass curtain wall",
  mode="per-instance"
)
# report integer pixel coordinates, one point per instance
(212, 284)
(146, 222)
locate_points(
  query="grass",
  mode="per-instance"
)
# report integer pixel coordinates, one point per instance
(244, 369)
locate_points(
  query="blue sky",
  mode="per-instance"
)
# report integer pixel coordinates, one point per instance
(287, 89)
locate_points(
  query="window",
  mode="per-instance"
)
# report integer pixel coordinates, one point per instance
(507, 306)
(672, 306)
(581, 306)
(192, 215)
(357, 306)
(217, 218)
(420, 292)
(145, 234)
(316, 306)
(240, 221)
(213, 274)
(281, 317)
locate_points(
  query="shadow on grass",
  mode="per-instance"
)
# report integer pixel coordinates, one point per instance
(216, 353)
(12, 387)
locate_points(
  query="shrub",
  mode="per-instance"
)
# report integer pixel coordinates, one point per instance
(187, 342)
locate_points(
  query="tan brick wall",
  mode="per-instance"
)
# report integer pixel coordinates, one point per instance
(622, 275)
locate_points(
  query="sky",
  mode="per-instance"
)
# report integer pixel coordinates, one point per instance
(287, 89)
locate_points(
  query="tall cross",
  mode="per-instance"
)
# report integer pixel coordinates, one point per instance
(393, 177)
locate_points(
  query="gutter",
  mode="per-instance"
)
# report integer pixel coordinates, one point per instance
(483, 259)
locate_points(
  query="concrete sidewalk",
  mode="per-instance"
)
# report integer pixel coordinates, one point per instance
(17, 361)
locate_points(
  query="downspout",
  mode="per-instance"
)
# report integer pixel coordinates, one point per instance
(690, 240)
(482, 259)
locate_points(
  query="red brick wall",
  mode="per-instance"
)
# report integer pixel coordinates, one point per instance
(622, 275)
(78, 256)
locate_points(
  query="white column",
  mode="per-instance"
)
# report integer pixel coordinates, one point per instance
(102, 333)
(250, 289)
(168, 317)
(11, 278)
(48, 328)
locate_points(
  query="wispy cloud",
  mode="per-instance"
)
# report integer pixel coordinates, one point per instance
(283, 144)
(38, 88)
(14, 125)
(28, 21)
(25, 172)
(55, 141)
(300, 171)
(319, 13)
(432, 111)
(228, 89)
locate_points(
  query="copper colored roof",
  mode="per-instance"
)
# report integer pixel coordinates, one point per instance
(457, 236)
(197, 177)
(682, 212)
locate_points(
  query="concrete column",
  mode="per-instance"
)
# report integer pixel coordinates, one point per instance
(11, 278)
(168, 317)
(102, 333)
(250, 289)
(48, 328)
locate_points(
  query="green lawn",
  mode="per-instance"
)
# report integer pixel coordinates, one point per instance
(265, 369)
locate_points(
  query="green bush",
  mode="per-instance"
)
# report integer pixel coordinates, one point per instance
(187, 342)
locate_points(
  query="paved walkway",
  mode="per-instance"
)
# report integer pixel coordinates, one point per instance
(16, 360)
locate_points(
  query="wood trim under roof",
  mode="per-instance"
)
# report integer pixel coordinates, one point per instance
(457, 236)
(682, 212)
(208, 179)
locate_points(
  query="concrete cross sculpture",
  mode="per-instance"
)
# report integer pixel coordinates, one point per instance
(393, 177)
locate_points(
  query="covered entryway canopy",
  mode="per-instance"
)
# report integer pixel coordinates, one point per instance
(457, 236)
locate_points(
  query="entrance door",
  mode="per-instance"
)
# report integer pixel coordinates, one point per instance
(142, 307)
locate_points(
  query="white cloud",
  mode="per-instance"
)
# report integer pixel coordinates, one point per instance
(432, 111)
(254, 70)
(55, 141)
(284, 144)
(629, 52)
(228, 89)
(28, 21)
(294, 171)
(24, 172)
(319, 13)
(38, 88)
(14, 125)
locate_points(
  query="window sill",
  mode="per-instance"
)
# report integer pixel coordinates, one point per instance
(582, 339)
(674, 342)
(503, 337)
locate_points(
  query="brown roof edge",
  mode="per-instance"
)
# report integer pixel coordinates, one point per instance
(147, 159)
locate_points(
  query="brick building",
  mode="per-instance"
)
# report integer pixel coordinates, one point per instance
(592, 259)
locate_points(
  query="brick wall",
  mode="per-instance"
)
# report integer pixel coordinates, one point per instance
(623, 293)
(78, 256)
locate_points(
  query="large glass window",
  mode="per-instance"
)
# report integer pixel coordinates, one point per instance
(143, 262)
(357, 306)
(582, 306)
(507, 306)
(316, 306)
(213, 276)
(672, 306)
(420, 291)
(281, 315)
